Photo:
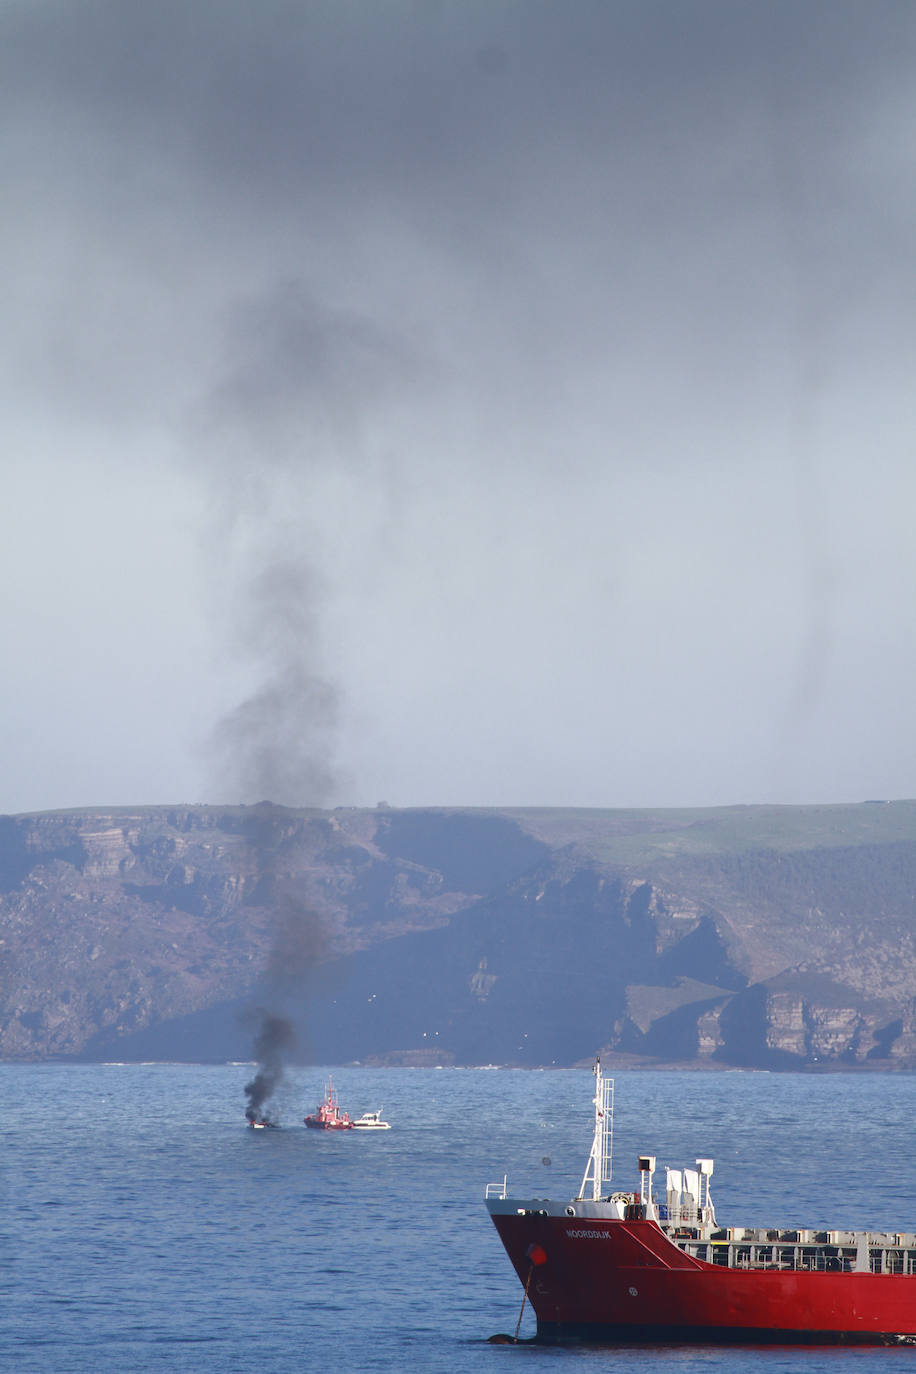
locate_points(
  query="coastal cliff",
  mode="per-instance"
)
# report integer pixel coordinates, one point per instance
(769, 937)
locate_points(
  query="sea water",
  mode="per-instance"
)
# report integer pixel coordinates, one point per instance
(144, 1227)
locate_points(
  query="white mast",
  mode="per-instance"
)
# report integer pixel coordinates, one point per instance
(598, 1168)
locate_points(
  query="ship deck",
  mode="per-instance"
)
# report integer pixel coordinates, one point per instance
(799, 1250)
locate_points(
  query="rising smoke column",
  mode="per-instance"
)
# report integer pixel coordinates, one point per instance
(274, 1039)
(293, 432)
(278, 743)
(298, 943)
(303, 386)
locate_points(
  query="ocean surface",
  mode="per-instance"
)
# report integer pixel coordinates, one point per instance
(143, 1227)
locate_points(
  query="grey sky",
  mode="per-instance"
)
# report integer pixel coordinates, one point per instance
(457, 403)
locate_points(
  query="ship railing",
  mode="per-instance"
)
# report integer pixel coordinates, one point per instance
(882, 1260)
(792, 1258)
(800, 1258)
(498, 1190)
(686, 1214)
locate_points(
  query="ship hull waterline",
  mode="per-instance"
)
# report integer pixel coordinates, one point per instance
(624, 1282)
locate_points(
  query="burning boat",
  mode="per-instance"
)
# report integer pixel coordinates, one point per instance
(624, 1267)
(329, 1116)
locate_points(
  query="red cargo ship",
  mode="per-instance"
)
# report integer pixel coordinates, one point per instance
(329, 1116)
(624, 1267)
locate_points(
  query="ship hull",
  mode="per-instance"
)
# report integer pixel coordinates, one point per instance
(625, 1282)
(602, 1333)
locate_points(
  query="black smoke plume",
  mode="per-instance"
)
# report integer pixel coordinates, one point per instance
(303, 387)
(298, 942)
(274, 1040)
(279, 741)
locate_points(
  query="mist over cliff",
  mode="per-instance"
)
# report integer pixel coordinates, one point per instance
(762, 936)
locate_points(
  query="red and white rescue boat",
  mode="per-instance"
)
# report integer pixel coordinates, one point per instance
(329, 1116)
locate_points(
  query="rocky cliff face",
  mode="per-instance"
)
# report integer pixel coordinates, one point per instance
(770, 937)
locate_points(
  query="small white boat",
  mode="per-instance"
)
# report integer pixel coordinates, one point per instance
(371, 1121)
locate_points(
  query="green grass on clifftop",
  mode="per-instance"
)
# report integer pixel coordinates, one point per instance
(641, 837)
